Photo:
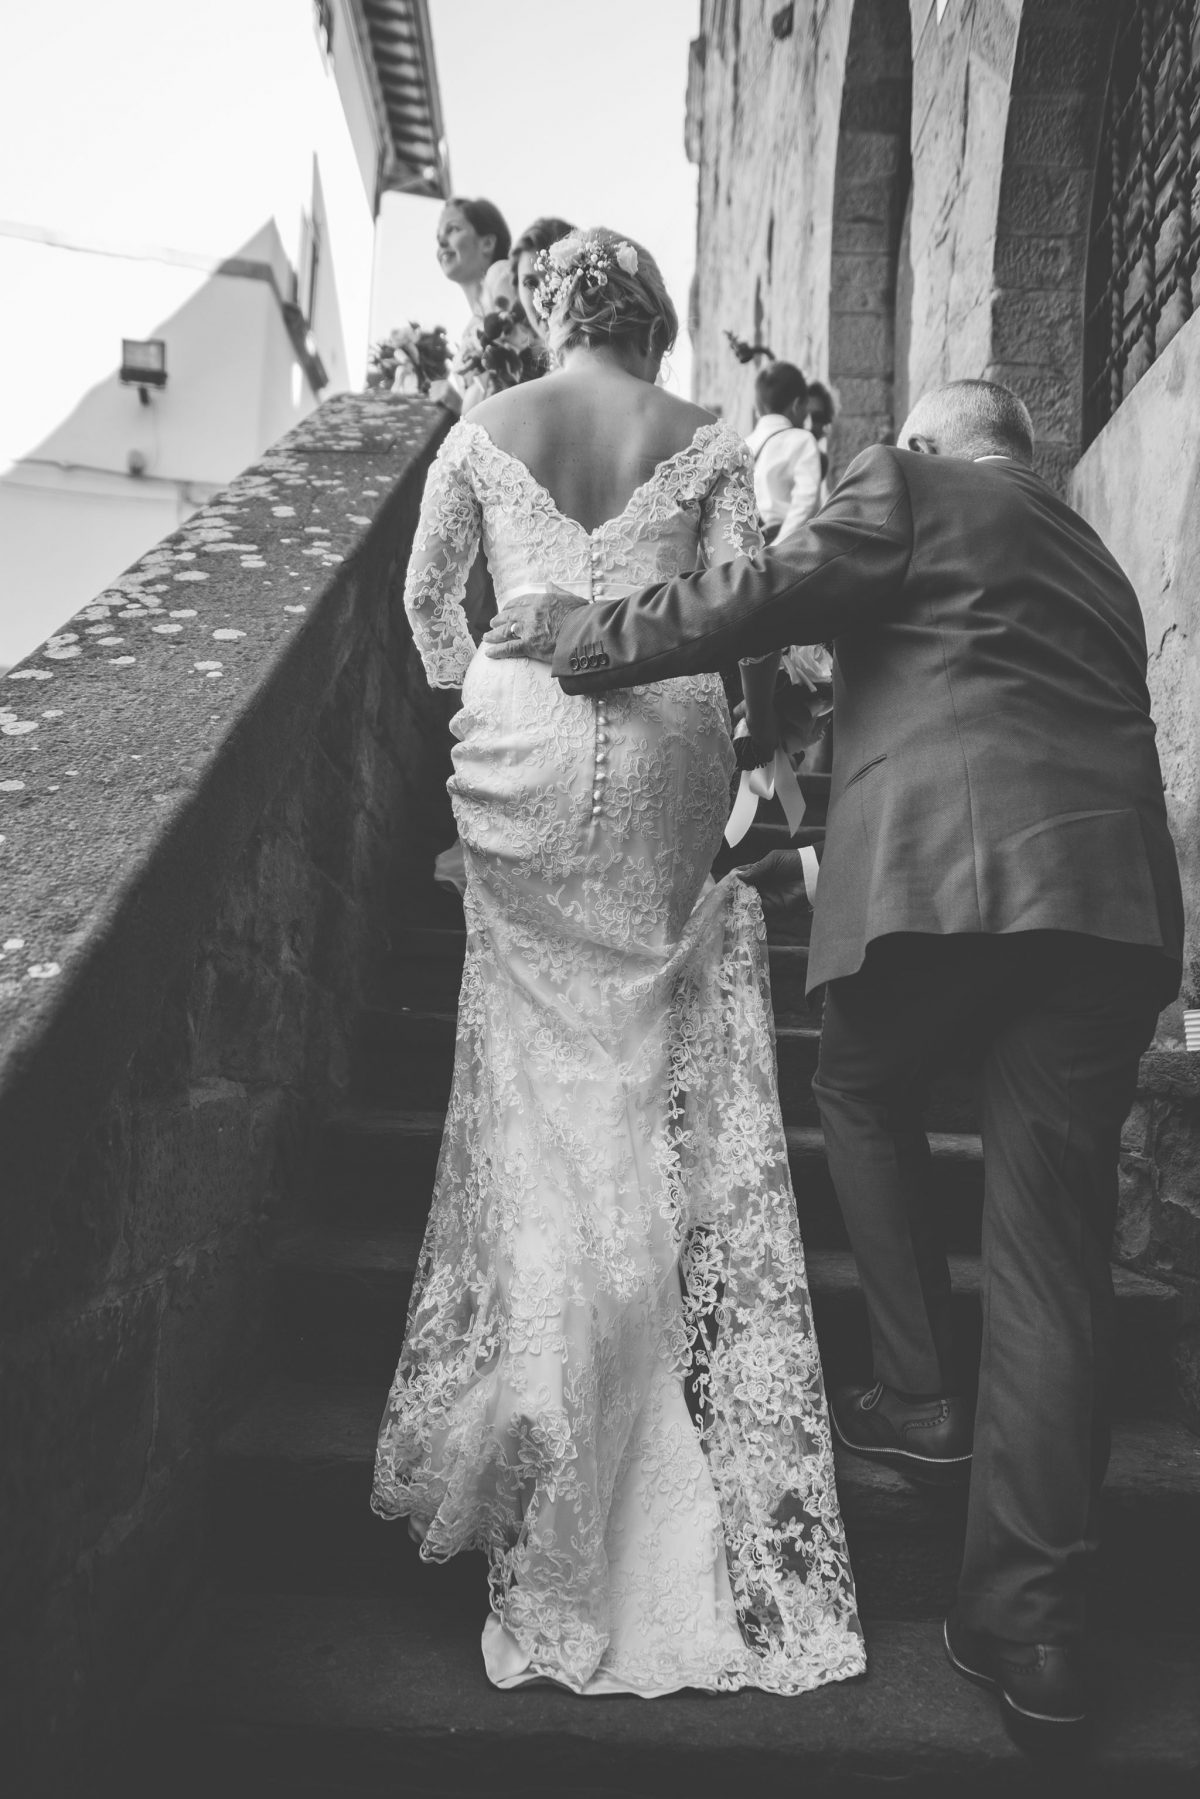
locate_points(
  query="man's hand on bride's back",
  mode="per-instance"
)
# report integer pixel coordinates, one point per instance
(529, 627)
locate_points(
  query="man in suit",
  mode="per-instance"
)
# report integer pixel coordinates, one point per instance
(998, 877)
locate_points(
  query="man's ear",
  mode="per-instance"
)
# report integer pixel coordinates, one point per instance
(921, 446)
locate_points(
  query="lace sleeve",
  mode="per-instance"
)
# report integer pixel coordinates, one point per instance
(729, 524)
(444, 547)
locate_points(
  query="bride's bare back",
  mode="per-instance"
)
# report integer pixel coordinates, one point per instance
(591, 434)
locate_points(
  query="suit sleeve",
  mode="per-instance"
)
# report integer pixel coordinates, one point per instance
(842, 570)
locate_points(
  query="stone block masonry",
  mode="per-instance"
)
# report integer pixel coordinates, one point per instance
(896, 195)
(216, 785)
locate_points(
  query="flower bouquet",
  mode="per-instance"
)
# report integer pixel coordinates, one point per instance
(503, 350)
(409, 360)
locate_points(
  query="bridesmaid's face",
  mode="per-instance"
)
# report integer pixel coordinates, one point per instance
(462, 254)
(527, 287)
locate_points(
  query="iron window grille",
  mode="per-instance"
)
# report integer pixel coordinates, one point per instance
(1144, 248)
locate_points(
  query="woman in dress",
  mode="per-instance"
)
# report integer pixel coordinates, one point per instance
(516, 294)
(523, 266)
(473, 243)
(609, 1380)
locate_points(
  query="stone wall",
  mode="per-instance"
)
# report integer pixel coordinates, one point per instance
(895, 195)
(215, 786)
(1139, 485)
(763, 122)
(808, 242)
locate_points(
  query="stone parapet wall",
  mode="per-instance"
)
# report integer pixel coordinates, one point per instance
(215, 784)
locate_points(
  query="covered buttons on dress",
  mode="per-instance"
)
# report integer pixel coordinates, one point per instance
(601, 758)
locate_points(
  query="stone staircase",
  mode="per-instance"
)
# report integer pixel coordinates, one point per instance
(327, 1659)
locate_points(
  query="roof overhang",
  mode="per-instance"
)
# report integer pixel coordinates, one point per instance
(398, 43)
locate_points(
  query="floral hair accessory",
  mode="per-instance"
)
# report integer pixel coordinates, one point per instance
(577, 263)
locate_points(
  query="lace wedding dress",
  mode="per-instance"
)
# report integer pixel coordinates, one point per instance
(610, 1380)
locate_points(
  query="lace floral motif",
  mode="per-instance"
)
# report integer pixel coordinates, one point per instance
(613, 1222)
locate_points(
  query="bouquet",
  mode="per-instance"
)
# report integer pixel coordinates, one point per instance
(503, 350)
(409, 360)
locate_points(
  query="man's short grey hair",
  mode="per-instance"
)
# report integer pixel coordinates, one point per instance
(971, 417)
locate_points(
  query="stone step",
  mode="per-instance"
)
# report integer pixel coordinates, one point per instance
(294, 1474)
(426, 969)
(406, 1056)
(377, 1168)
(371, 1696)
(340, 1301)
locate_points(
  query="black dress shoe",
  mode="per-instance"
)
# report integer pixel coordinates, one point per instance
(1043, 1700)
(927, 1439)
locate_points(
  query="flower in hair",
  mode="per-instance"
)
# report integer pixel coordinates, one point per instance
(577, 263)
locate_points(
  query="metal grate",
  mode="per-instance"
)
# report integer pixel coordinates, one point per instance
(1145, 240)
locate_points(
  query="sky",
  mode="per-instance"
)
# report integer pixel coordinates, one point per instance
(566, 107)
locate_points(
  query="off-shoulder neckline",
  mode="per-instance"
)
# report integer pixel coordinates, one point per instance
(701, 431)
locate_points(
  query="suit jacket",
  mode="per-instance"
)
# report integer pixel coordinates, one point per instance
(994, 763)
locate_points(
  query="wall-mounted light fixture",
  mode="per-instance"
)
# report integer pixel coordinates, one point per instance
(144, 364)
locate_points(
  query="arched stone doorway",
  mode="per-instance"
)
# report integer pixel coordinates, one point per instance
(872, 190)
(1058, 84)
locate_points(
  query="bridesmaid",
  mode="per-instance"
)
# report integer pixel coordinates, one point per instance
(473, 240)
(522, 262)
(449, 869)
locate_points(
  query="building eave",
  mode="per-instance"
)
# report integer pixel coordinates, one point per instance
(397, 41)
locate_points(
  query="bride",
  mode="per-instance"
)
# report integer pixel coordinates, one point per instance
(609, 1380)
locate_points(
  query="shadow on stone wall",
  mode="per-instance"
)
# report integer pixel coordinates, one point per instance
(209, 829)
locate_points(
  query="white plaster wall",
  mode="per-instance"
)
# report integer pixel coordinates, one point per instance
(1139, 485)
(144, 144)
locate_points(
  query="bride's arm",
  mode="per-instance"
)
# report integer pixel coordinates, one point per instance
(444, 547)
(729, 527)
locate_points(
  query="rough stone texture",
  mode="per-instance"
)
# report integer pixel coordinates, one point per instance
(764, 122)
(1044, 213)
(319, 1694)
(804, 149)
(205, 828)
(1139, 484)
(988, 278)
(870, 196)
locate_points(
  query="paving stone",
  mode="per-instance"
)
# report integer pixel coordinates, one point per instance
(361, 1694)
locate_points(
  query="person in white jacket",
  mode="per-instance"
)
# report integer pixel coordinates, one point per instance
(787, 461)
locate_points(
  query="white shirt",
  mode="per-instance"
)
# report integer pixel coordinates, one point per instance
(787, 472)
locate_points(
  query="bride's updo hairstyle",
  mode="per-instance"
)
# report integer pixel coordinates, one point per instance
(600, 288)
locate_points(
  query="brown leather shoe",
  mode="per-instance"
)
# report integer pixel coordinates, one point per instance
(929, 1440)
(1040, 1686)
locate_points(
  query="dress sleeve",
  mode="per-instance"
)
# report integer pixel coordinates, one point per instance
(444, 547)
(729, 524)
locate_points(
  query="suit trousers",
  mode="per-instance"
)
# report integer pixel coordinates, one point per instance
(1056, 1023)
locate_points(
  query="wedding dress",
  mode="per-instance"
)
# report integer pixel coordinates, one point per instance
(610, 1380)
